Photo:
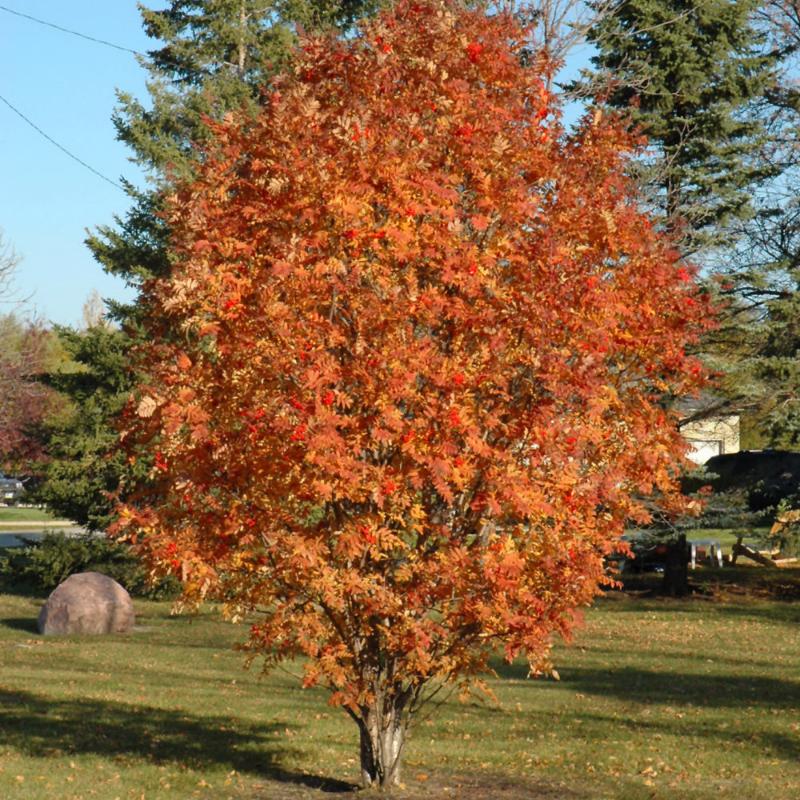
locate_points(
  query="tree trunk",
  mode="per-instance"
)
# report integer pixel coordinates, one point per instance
(676, 569)
(242, 38)
(382, 733)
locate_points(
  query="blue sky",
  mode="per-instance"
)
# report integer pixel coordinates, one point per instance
(66, 86)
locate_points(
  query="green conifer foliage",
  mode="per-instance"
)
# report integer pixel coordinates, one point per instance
(756, 346)
(213, 56)
(83, 466)
(689, 71)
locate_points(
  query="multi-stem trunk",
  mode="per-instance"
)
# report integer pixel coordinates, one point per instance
(382, 728)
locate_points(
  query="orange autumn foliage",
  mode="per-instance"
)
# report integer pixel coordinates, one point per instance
(419, 336)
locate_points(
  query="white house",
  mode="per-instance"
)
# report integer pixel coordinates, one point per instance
(708, 428)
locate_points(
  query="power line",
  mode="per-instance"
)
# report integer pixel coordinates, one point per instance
(67, 30)
(60, 146)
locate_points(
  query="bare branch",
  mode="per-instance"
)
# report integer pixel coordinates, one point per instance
(8, 265)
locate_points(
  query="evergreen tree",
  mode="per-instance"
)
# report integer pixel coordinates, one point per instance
(757, 345)
(214, 56)
(83, 467)
(689, 72)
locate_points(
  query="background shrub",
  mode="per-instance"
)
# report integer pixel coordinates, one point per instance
(42, 565)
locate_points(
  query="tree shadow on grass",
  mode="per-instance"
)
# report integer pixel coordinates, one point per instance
(672, 688)
(731, 690)
(783, 613)
(42, 727)
(611, 655)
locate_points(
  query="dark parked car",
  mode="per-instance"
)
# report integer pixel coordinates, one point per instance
(10, 490)
(648, 552)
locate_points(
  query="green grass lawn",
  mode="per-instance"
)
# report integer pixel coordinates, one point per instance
(15, 514)
(727, 536)
(657, 699)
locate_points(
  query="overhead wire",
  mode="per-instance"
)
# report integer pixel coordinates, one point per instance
(60, 146)
(70, 31)
(32, 124)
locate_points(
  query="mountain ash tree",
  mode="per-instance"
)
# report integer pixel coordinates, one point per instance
(409, 302)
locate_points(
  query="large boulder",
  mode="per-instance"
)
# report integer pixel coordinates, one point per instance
(88, 603)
